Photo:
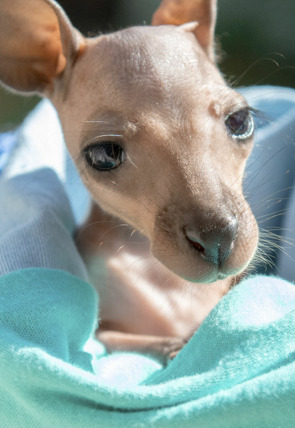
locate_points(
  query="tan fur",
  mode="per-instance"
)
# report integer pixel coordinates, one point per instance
(159, 92)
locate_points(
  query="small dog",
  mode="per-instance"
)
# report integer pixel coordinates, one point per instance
(161, 142)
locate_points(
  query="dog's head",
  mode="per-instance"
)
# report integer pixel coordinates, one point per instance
(158, 137)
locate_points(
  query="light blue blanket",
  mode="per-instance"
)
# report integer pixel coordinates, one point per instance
(237, 371)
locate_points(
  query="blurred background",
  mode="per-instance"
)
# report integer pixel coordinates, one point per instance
(257, 41)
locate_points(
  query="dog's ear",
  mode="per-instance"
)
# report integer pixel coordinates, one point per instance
(179, 12)
(37, 44)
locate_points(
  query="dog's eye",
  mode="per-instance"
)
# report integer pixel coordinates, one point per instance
(240, 124)
(104, 156)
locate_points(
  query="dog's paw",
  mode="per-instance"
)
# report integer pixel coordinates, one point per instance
(172, 347)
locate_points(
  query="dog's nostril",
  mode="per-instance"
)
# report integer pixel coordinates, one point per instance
(216, 243)
(197, 246)
(195, 240)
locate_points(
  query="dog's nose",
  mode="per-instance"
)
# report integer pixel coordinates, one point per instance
(216, 241)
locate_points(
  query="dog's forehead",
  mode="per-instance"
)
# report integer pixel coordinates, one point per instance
(149, 50)
(158, 78)
(156, 61)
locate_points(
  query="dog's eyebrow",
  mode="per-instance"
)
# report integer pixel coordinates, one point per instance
(107, 125)
(96, 121)
(106, 120)
(110, 121)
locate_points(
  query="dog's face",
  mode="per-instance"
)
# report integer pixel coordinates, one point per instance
(161, 142)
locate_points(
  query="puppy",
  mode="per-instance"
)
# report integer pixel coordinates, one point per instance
(161, 142)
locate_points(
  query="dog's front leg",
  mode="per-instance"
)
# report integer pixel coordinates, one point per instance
(161, 347)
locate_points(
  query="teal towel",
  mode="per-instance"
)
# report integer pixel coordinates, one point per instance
(238, 370)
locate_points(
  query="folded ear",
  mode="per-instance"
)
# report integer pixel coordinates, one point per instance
(37, 43)
(178, 12)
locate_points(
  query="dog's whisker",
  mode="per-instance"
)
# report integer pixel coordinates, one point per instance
(129, 158)
(259, 60)
(112, 181)
(97, 138)
(96, 121)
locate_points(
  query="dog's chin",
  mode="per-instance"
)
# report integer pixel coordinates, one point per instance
(212, 276)
(199, 275)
